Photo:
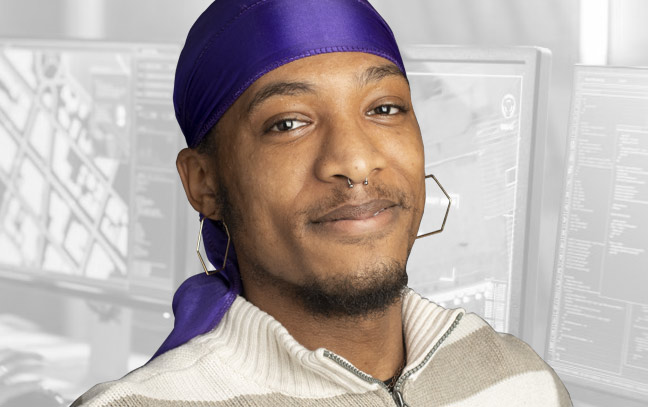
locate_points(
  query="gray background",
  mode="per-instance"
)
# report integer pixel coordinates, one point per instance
(555, 24)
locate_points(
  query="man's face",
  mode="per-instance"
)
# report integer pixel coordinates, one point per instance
(287, 149)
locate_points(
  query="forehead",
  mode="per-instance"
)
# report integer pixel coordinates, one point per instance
(314, 74)
(361, 67)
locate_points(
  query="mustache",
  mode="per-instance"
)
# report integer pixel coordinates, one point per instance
(342, 195)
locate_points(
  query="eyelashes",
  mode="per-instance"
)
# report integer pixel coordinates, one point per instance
(388, 109)
(285, 125)
(289, 124)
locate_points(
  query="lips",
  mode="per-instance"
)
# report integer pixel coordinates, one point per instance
(357, 212)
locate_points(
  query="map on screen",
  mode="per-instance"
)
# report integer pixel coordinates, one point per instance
(476, 112)
(88, 184)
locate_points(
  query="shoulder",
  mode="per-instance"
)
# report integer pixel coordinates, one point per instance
(475, 336)
(138, 388)
(98, 395)
(491, 368)
(192, 371)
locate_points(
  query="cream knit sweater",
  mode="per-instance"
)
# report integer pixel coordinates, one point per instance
(454, 359)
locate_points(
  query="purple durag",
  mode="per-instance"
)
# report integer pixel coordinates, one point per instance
(231, 45)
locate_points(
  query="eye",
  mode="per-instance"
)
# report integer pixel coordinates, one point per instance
(287, 125)
(386, 110)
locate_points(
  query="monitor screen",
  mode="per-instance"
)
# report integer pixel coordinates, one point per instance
(598, 333)
(89, 194)
(482, 114)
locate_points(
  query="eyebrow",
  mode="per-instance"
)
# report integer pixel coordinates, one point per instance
(278, 89)
(377, 73)
(370, 75)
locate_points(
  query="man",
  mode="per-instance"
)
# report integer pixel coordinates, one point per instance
(306, 165)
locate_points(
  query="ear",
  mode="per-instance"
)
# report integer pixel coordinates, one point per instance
(200, 186)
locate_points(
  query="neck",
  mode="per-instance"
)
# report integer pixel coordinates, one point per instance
(372, 343)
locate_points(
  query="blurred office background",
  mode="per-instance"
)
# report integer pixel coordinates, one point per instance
(63, 328)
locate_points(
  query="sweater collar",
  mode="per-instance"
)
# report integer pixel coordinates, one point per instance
(256, 345)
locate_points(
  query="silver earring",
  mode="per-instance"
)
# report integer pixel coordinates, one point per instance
(366, 181)
(445, 217)
(349, 181)
(208, 272)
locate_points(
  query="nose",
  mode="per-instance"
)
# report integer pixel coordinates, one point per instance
(349, 152)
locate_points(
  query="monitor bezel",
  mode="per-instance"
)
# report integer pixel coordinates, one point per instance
(526, 318)
(580, 388)
(129, 293)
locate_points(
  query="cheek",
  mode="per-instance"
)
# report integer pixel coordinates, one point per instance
(405, 150)
(406, 155)
(416, 154)
(268, 186)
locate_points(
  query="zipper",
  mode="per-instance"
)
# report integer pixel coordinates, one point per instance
(398, 398)
(396, 393)
(348, 366)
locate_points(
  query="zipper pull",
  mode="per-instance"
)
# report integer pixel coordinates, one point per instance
(398, 398)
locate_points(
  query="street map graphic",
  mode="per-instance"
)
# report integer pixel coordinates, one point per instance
(87, 151)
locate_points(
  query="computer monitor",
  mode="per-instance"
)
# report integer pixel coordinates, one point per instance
(598, 336)
(90, 200)
(482, 113)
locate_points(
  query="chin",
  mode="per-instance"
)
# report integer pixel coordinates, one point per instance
(359, 293)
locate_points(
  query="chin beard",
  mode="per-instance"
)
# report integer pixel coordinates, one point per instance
(359, 295)
(369, 293)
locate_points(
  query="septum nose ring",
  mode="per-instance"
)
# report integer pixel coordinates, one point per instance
(366, 182)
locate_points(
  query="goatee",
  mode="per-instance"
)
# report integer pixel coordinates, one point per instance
(370, 292)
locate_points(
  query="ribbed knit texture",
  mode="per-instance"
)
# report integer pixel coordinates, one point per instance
(250, 359)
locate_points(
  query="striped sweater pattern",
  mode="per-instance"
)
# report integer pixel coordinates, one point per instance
(454, 359)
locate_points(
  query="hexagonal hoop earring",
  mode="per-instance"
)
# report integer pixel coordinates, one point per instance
(446, 212)
(209, 273)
